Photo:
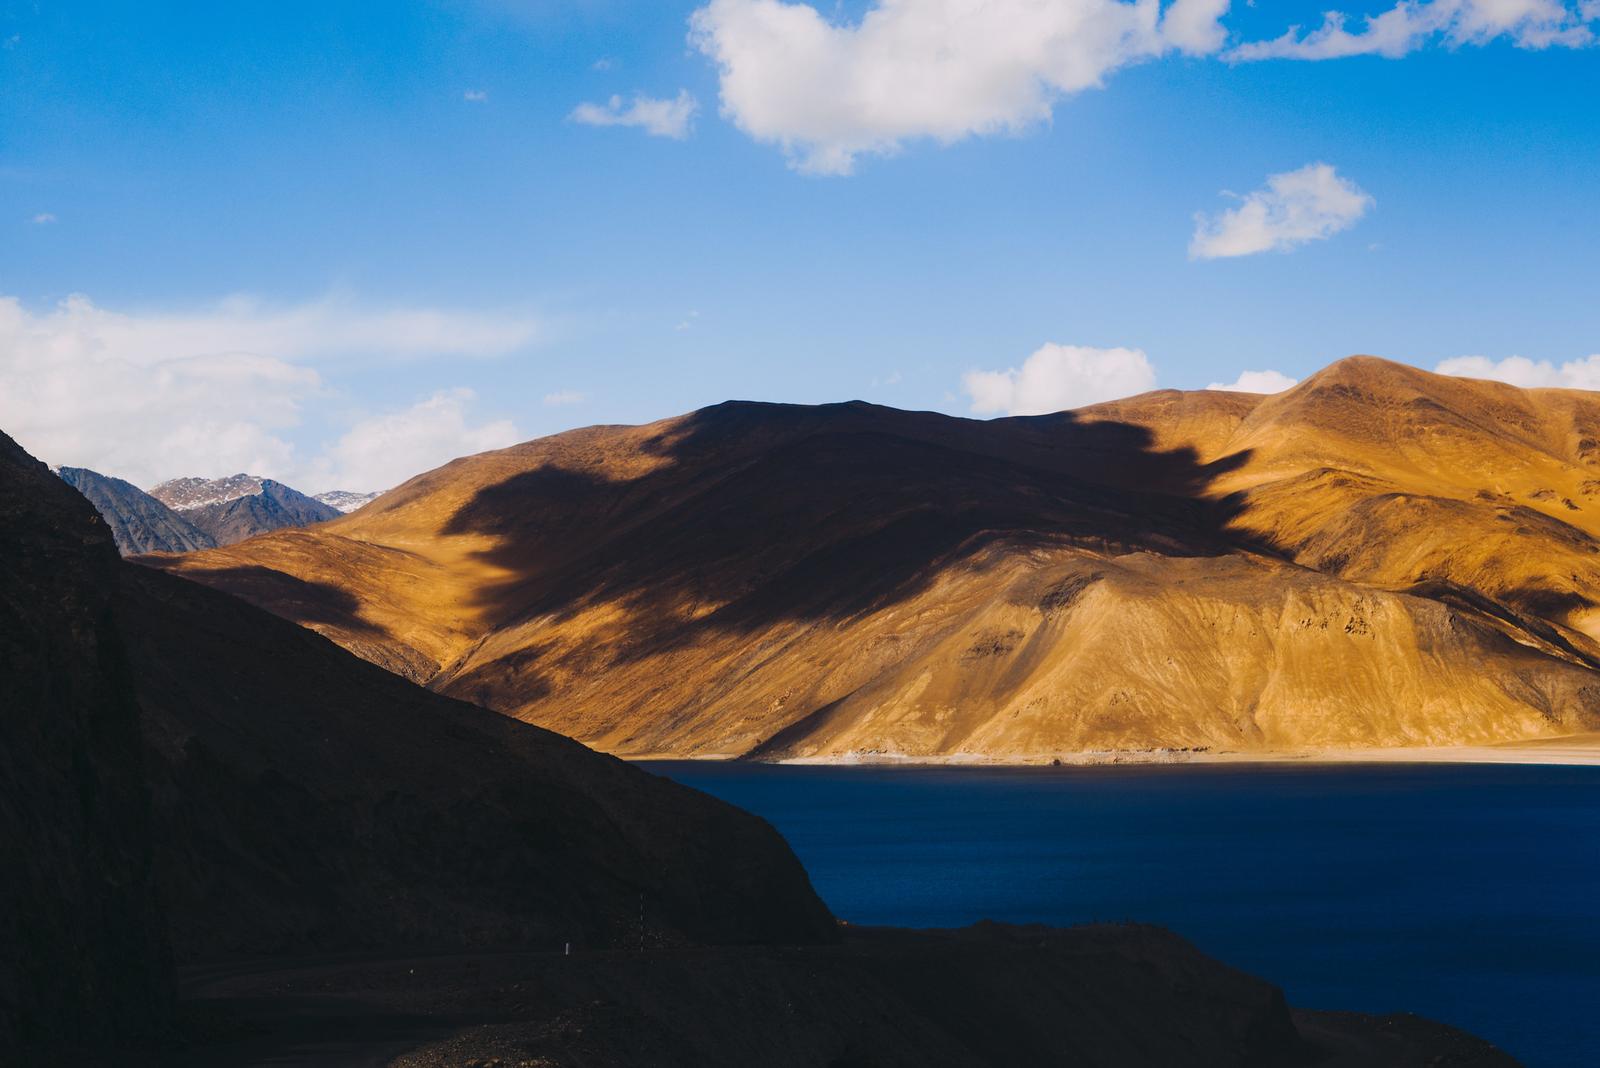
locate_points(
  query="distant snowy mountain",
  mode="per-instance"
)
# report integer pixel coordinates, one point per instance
(139, 523)
(184, 494)
(345, 500)
(241, 506)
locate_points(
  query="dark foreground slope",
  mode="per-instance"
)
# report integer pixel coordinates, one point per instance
(307, 800)
(81, 946)
(1089, 997)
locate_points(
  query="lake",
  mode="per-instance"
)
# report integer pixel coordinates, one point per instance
(1469, 894)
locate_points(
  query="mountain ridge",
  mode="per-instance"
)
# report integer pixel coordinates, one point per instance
(1176, 570)
(139, 523)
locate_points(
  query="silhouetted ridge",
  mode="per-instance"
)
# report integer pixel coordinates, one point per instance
(82, 949)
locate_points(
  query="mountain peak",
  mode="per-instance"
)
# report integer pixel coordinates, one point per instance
(183, 494)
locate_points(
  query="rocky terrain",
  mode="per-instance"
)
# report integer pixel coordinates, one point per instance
(241, 506)
(139, 523)
(1377, 557)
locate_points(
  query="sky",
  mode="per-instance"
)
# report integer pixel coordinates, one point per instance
(338, 243)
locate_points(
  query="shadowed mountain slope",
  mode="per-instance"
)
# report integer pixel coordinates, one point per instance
(291, 797)
(82, 952)
(1379, 556)
(307, 800)
(139, 523)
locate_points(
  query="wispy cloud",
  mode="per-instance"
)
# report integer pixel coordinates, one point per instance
(659, 118)
(1310, 204)
(475, 96)
(44, 218)
(564, 398)
(1413, 24)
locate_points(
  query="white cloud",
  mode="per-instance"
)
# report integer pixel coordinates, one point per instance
(659, 118)
(1195, 26)
(1058, 377)
(212, 391)
(385, 450)
(1295, 207)
(563, 398)
(44, 218)
(1256, 382)
(475, 96)
(828, 92)
(1412, 24)
(1521, 371)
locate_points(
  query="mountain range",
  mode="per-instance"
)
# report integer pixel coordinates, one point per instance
(186, 779)
(1379, 556)
(185, 514)
(139, 522)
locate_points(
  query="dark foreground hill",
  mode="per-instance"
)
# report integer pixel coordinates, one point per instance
(180, 766)
(82, 939)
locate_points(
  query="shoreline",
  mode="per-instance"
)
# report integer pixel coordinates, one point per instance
(1574, 750)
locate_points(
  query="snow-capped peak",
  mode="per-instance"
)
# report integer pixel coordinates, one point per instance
(344, 500)
(183, 494)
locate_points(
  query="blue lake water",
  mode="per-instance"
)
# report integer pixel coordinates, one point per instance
(1470, 894)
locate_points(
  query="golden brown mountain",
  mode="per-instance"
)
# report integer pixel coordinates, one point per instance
(1377, 557)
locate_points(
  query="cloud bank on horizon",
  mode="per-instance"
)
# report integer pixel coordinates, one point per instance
(1057, 377)
(212, 391)
(1529, 374)
(828, 92)
(1257, 382)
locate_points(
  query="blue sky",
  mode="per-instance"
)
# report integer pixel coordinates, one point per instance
(292, 240)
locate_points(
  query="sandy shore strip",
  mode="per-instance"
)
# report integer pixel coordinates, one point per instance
(1568, 749)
